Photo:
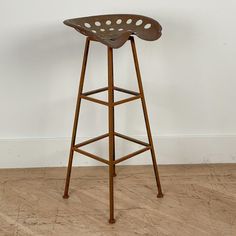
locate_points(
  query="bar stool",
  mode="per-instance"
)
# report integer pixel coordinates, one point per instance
(113, 31)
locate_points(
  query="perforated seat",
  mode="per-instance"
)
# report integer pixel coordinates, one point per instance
(114, 30)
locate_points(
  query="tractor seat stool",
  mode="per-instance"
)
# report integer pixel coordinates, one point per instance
(113, 31)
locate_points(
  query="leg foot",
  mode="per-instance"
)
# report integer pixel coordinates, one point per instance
(66, 196)
(160, 195)
(112, 221)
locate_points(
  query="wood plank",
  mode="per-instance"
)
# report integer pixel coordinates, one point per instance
(198, 200)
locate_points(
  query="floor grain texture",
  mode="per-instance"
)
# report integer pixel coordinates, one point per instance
(198, 200)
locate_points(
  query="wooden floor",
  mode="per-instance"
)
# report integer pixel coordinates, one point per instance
(199, 200)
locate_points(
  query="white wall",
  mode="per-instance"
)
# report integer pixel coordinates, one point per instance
(188, 76)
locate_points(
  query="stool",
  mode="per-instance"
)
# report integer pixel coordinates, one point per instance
(113, 31)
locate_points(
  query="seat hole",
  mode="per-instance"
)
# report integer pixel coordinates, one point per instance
(97, 23)
(118, 21)
(94, 31)
(120, 29)
(108, 22)
(129, 21)
(111, 29)
(102, 30)
(87, 25)
(147, 26)
(139, 22)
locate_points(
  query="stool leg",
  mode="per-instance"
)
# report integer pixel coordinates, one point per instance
(86, 50)
(113, 111)
(114, 149)
(111, 132)
(160, 194)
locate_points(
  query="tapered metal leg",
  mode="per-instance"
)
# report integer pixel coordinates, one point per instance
(113, 115)
(160, 194)
(111, 132)
(114, 149)
(86, 50)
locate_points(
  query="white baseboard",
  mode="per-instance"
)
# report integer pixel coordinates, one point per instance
(177, 149)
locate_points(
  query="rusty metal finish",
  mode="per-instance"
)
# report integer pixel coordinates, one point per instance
(88, 154)
(160, 194)
(111, 132)
(124, 158)
(114, 30)
(94, 100)
(78, 103)
(91, 140)
(95, 91)
(131, 139)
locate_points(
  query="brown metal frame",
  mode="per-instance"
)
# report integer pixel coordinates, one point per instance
(111, 127)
